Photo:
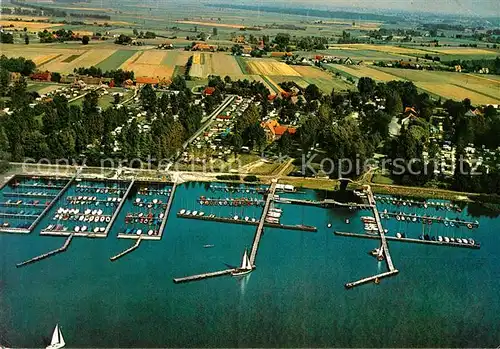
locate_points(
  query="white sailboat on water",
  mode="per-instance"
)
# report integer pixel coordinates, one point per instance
(246, 266)
(57, 341)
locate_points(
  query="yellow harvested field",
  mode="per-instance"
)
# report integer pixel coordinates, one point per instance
(152, 57)
(29, 25)
(213, 24)
(40, 60)
(149, 64)
(217, 63)
(381, 48)
(362, 71)
(24, 18)
(456, 93)
(223, 64)
(311, 72)
(463, 51)
(270, 67)
(86, 59)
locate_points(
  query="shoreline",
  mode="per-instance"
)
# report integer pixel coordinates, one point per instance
(191, 176)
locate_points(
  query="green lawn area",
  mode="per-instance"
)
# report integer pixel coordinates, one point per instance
(71, 58)
(381, 179)
(242, 63)
(115, 60)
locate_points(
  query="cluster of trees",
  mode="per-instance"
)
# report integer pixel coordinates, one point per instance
(123, 40)
(56, 130)
(40, 10)
(248, 131)
(309, 43)
(142, 35)
(90, 15)
(347, 39)
(60, 35)
(6, 38)
(379, 34)
(119, 76)
(493, 65)
(17, 65)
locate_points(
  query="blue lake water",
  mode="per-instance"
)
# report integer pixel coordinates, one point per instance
(442, 297)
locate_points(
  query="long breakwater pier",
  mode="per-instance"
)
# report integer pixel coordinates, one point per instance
(255, 244)
(322, 203)
(260, 228)
(241, 220)
(383, 251)
(48, 254)
(128, 250)
(410, 240)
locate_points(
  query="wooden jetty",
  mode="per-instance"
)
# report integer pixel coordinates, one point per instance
(203, 276)
(260, 228)
(38, 186)
(162, 225)
(32, 195)
(128, 250)
(374, 278)
(384, 247)
(53, 200)
(167, 210)
(255, 245)
(323, 203)
(237, 202)
(48, 254)
(426, 219)
(410, 240)
(240, 220)
(85, 234)
(118, 209)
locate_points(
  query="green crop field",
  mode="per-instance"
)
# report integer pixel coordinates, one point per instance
(115, 60)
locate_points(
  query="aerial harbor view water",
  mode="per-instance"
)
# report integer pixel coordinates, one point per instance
(303, 239)
(284, 173)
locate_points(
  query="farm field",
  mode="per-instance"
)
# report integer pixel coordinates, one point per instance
(325, 81)
(212, 24)
(478, 88)
(363, 55)
(149, 64)
(266, 66)
(85, 59)
(222, 64)
(32, 26)
(359, 71)
(387, 49)
(115, 60)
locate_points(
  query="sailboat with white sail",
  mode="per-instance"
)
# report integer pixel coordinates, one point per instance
(246, 266)
(57, 341)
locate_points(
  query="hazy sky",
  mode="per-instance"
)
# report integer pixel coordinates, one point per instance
(490, 8)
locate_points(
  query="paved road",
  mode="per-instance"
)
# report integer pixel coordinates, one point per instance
(208, 120)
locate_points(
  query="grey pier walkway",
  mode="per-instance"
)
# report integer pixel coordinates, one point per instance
(48, 254)
(410, 240)
(128, 250)
(255, 245)
(325, 202)
(260, 228)
(203, 276)
(374, 278)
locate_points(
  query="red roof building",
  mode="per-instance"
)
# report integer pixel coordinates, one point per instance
(45, 76)
(208, 91)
